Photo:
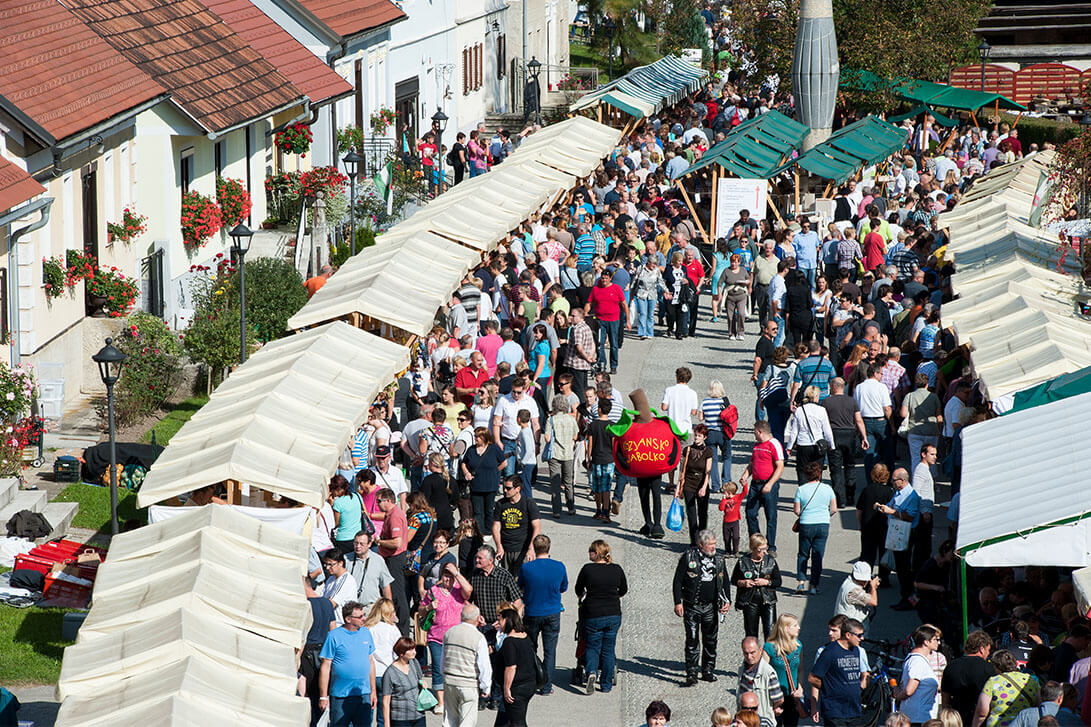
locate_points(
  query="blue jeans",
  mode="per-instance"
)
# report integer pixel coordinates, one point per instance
(529, 474)
(416, 476)
(758, 500)
(778, 340)
(812, 544)
(509, 456)
(550, 628)
(609, 330)
(435, 653)
(721, 462)
(810, 274)
(620, 483)
(601, 635)
(876, 433)
(759, 410)
(645, 317)
(354, 711)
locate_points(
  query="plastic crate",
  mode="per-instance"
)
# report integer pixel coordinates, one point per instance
(66, 469)
(66, 549)
(65, 593)
(30, 561)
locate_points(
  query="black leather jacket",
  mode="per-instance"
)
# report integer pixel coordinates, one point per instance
(687, 579)
(747, 569)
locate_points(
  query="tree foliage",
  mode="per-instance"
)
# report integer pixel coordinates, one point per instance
(274, 293)
(212, 338)
(1069, 174)
(152, 371)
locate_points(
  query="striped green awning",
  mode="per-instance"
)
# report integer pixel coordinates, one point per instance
(755, 147)
(645, 90)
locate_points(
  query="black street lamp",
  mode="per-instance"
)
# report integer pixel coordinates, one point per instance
(610, 26)
(439, 125)
(983, 51)
(352, 163)
(535, 68)
(242, 236)
(110, 360)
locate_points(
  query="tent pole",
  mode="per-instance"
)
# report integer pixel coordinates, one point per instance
(950, 137)
(692, 209)
(796, 210)
(772, 205)
(996, 111)
(712, 214)
(965, 605)
(976, 126)
(1017, 117)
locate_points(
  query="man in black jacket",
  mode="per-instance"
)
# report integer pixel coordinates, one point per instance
(701, 591)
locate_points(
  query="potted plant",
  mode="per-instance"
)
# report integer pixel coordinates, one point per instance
(200, 219)
(54, 277)
(269, 223)
(296, 139)
(382, 120)
(350, 137)
(131, 227)
(117, 293)
(234, 201)
(81, 266)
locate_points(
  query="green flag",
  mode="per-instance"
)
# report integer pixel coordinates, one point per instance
(382, 182)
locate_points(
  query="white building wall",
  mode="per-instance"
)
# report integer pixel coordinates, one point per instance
(423, 46)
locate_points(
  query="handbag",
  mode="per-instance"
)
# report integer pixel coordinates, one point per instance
(541, 678)
(801, 707)
(426, 701)
(420, 631)
(547, 450)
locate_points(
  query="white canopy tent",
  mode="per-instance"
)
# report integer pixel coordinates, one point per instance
(97, 665)
(1010, 278)
(196, 691)
(1006, 517)
(280, 421)
(418, 263)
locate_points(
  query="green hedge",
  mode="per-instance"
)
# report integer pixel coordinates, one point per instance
(1039, 131)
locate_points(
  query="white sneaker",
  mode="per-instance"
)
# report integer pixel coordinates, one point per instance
(801, 587)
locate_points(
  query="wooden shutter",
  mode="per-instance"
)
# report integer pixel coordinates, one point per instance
(479, 64)
(465, 72)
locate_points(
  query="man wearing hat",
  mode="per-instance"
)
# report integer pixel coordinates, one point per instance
(389, 476)
(859, 594)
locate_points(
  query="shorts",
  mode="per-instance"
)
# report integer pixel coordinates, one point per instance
(601, 477)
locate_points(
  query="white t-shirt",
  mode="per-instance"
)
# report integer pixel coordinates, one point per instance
(921, 705)
(952, 414)
(680, 402)
(323, 524)
(925, 486)
(411, 433)
(507, 409)
(871, 396)
(385, 636)
(552, 269)
(340, 590)
(392, 478)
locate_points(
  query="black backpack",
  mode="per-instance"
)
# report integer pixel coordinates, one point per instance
(28, 524)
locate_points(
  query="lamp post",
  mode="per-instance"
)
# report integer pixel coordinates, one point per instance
(610, 26)
(983, 51)
(110, 360)
(242, 235)
(439, 125)
(352, 163)
(535, 68)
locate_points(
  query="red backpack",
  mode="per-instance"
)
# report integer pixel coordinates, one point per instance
(729, 417)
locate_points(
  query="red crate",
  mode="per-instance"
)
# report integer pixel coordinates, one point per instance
(65, 593)
(62, 549)
(34, 562)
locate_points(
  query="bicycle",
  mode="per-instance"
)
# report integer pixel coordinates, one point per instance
(885, 661)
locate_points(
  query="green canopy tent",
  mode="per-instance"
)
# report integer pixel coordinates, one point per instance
(927, 93)
(944, 121)
(850, 149)
(645, 90)
(1062, 387)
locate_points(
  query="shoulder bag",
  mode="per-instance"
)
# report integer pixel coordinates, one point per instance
(801, 707)
(821, 446)
(547, 448)
(802, 389)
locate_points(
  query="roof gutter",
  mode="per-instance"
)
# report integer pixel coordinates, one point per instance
(35, 129)
(213, 135)
(306, 113)
(62, 151)
(44, 204)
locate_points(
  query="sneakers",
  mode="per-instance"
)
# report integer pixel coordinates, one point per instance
(589, 688)
(814, 590)
(657, 533)
(645, 530)
(801, 587)
(615, 507)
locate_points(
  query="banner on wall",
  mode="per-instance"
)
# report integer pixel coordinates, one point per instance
(733, 195)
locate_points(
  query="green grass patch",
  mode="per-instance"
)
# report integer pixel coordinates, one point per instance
(178, 415)
(32, 645)
(583, 56)
(94, 512)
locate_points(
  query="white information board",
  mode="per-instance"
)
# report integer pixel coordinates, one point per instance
(733, 195)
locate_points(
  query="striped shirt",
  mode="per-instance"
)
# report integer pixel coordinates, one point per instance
(471, 303)
(585, 251)
(360, 446)
(710, 413)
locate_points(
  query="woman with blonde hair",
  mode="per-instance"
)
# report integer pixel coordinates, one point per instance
(600, 586)
(783, 650)
(482, 408)
(808, 427)
(382, 624)
(718, 439)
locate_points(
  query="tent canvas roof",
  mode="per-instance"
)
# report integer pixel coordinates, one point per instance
(1004, 518)
(647, 89)
(860, 144)
(1062, 387)
(259, 427)
(756, 147)
(927, 92)
(942, 120)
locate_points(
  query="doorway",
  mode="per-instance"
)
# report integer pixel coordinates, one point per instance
(89, 178)
(405, 104)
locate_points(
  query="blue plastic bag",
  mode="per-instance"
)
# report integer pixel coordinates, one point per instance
(675, 516)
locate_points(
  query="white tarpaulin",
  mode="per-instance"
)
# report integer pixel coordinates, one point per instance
(1024, 498)
(414, 266)
(294, 519)
(96, 665)
(280, 421)
(196, 691)
(1011, 279)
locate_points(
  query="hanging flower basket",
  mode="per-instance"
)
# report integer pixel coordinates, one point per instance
(81, 266)
(296, 139)
(382, 120)
(234, 200)
(118, 291)
(131, 226)
(201, 219)
(54, 277)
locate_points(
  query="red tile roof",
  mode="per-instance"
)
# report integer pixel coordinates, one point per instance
(16, 186)
(348, 17)
(210, 71)
(62, 75)
(302, 68)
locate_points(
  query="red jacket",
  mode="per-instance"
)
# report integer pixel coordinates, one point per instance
(730, 504)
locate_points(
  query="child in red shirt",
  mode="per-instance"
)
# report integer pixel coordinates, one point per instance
(730, 506)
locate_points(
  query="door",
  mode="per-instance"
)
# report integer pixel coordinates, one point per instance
(89, 177)
(405, 104)
(153, 283)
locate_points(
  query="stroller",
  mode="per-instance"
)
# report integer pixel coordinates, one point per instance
(579, 676)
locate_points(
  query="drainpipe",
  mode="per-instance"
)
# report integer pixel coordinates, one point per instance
(43, 205)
